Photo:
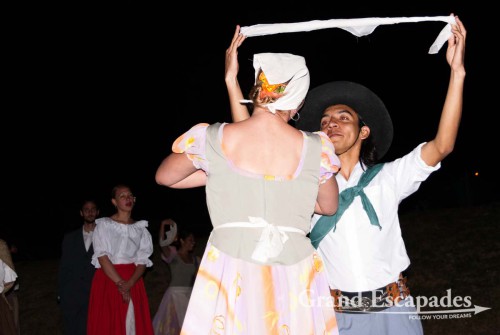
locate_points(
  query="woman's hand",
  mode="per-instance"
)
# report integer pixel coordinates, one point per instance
(126, 297)
(124, 286)
(239, 112)
(232, 66)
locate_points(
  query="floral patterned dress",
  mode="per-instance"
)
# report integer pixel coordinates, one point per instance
(259, 273)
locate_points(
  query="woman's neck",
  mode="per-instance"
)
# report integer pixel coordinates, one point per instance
(185, 255)
(278, 116)
(183, 251)
(123, 217)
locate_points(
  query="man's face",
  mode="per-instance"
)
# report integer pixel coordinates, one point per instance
(341, 124)
(89, 212)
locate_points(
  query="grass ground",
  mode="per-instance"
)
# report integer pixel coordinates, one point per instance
(451, 249)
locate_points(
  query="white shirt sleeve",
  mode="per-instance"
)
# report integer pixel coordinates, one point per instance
(7, 275)
(409, 172)
(145, 249)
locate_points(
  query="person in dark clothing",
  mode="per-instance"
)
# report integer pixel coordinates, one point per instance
(76, 272)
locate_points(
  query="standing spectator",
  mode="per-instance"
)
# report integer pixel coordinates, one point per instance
(8, 277)
(122, 247)
(177, 251)
(12, 294)
(76, 271)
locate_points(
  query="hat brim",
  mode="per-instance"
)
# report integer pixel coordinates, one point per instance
(364, 102)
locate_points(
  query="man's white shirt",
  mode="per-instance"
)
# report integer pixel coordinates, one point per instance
(359, 256)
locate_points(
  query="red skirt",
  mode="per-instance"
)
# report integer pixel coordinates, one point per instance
(108, 312)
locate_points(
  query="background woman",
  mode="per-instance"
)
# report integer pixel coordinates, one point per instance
(183, 267)
(122, 247)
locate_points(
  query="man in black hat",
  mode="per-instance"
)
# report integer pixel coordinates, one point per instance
(361, 245)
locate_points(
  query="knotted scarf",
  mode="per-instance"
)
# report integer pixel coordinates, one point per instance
(346, 197)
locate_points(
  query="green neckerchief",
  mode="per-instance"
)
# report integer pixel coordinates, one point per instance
(346, 197)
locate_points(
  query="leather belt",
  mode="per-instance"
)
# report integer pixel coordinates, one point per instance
(371, 301)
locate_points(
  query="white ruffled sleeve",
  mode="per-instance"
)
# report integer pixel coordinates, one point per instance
(145, 248)
(330, 163)
(100, 242)
(193, 143)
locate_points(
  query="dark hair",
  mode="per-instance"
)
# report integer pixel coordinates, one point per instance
(368, 151)
(87, 200)
(115, 189)
(181, 235)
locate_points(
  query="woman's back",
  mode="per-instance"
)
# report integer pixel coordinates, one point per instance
(264, 144)
(236, 193)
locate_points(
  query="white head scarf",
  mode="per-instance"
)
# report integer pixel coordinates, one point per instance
(280, 68)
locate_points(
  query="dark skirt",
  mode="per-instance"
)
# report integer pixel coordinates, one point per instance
(7, 320)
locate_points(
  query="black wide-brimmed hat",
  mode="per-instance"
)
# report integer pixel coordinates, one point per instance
(364, 102)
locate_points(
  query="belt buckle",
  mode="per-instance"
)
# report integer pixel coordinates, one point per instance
(365, 304)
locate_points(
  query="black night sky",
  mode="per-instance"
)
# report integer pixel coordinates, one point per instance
(98, 93)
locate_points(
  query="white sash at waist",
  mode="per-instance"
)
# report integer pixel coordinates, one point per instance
(271, 240)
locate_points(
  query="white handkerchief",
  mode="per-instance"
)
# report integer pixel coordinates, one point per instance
(357, 27)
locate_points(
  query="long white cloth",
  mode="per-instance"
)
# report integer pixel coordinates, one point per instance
(357, 27)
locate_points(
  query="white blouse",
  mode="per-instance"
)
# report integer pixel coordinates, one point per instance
(122, 243)
(7, 275)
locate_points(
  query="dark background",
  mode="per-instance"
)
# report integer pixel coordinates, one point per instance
(97, 93)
